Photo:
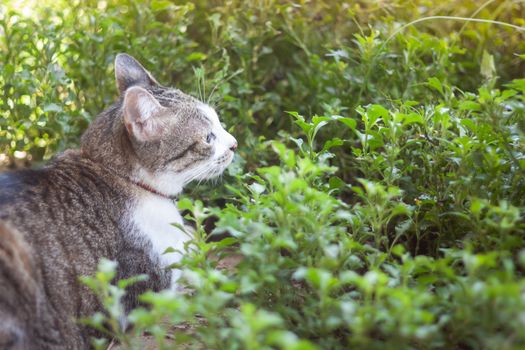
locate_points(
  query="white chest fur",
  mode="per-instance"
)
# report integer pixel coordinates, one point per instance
(154, 217)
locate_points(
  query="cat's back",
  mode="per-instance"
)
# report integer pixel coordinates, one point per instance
(70, 212)
(69, 185)
(71, 207)
(59, 220)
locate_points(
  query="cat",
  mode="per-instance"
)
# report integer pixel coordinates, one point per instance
(112, 198)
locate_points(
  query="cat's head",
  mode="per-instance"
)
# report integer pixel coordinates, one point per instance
(172, 138)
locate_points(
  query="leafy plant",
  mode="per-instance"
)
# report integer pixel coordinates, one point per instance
(377, 200)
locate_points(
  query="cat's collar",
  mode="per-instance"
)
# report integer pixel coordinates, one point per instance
(151, 189)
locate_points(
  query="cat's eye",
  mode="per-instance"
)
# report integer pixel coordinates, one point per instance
(210, 137)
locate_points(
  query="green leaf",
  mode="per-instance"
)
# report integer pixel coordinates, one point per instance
(160, 5)
(185, 204)
(349, 122)
(256, 188)
(469, 106)
(487, 68)
(413, 118)
(374, 112)
(336, 182)
(434, 83)
(169, 250)
(332, 143)
(52, 107)
(196, 56)
(226, 242)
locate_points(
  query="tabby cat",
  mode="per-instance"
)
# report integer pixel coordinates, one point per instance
(112, 198)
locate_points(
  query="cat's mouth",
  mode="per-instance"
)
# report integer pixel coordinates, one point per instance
(215, 167)
(226, 158)
(223, 161)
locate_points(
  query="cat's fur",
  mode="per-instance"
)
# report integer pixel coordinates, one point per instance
(109, 199)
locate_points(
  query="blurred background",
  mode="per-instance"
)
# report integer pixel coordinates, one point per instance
(253, 60)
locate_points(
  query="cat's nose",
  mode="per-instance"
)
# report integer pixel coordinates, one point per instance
(233, 147)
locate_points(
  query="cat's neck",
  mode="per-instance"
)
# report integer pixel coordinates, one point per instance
(152, 190)
(107, 143)
(133, 181)
(161, 182)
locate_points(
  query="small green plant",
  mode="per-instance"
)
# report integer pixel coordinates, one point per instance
(113, 322)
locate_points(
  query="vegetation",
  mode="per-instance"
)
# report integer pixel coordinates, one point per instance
(378, 197)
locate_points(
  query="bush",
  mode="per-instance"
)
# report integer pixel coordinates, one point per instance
(385, 209)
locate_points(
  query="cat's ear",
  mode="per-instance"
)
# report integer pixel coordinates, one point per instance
(129, 72)
(141, 114)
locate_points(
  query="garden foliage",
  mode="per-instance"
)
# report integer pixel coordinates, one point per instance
(377, 200)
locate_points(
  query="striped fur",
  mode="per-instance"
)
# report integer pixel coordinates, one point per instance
(57, 222)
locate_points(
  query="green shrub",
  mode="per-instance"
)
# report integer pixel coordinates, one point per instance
(377, 200)
(314, 276)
